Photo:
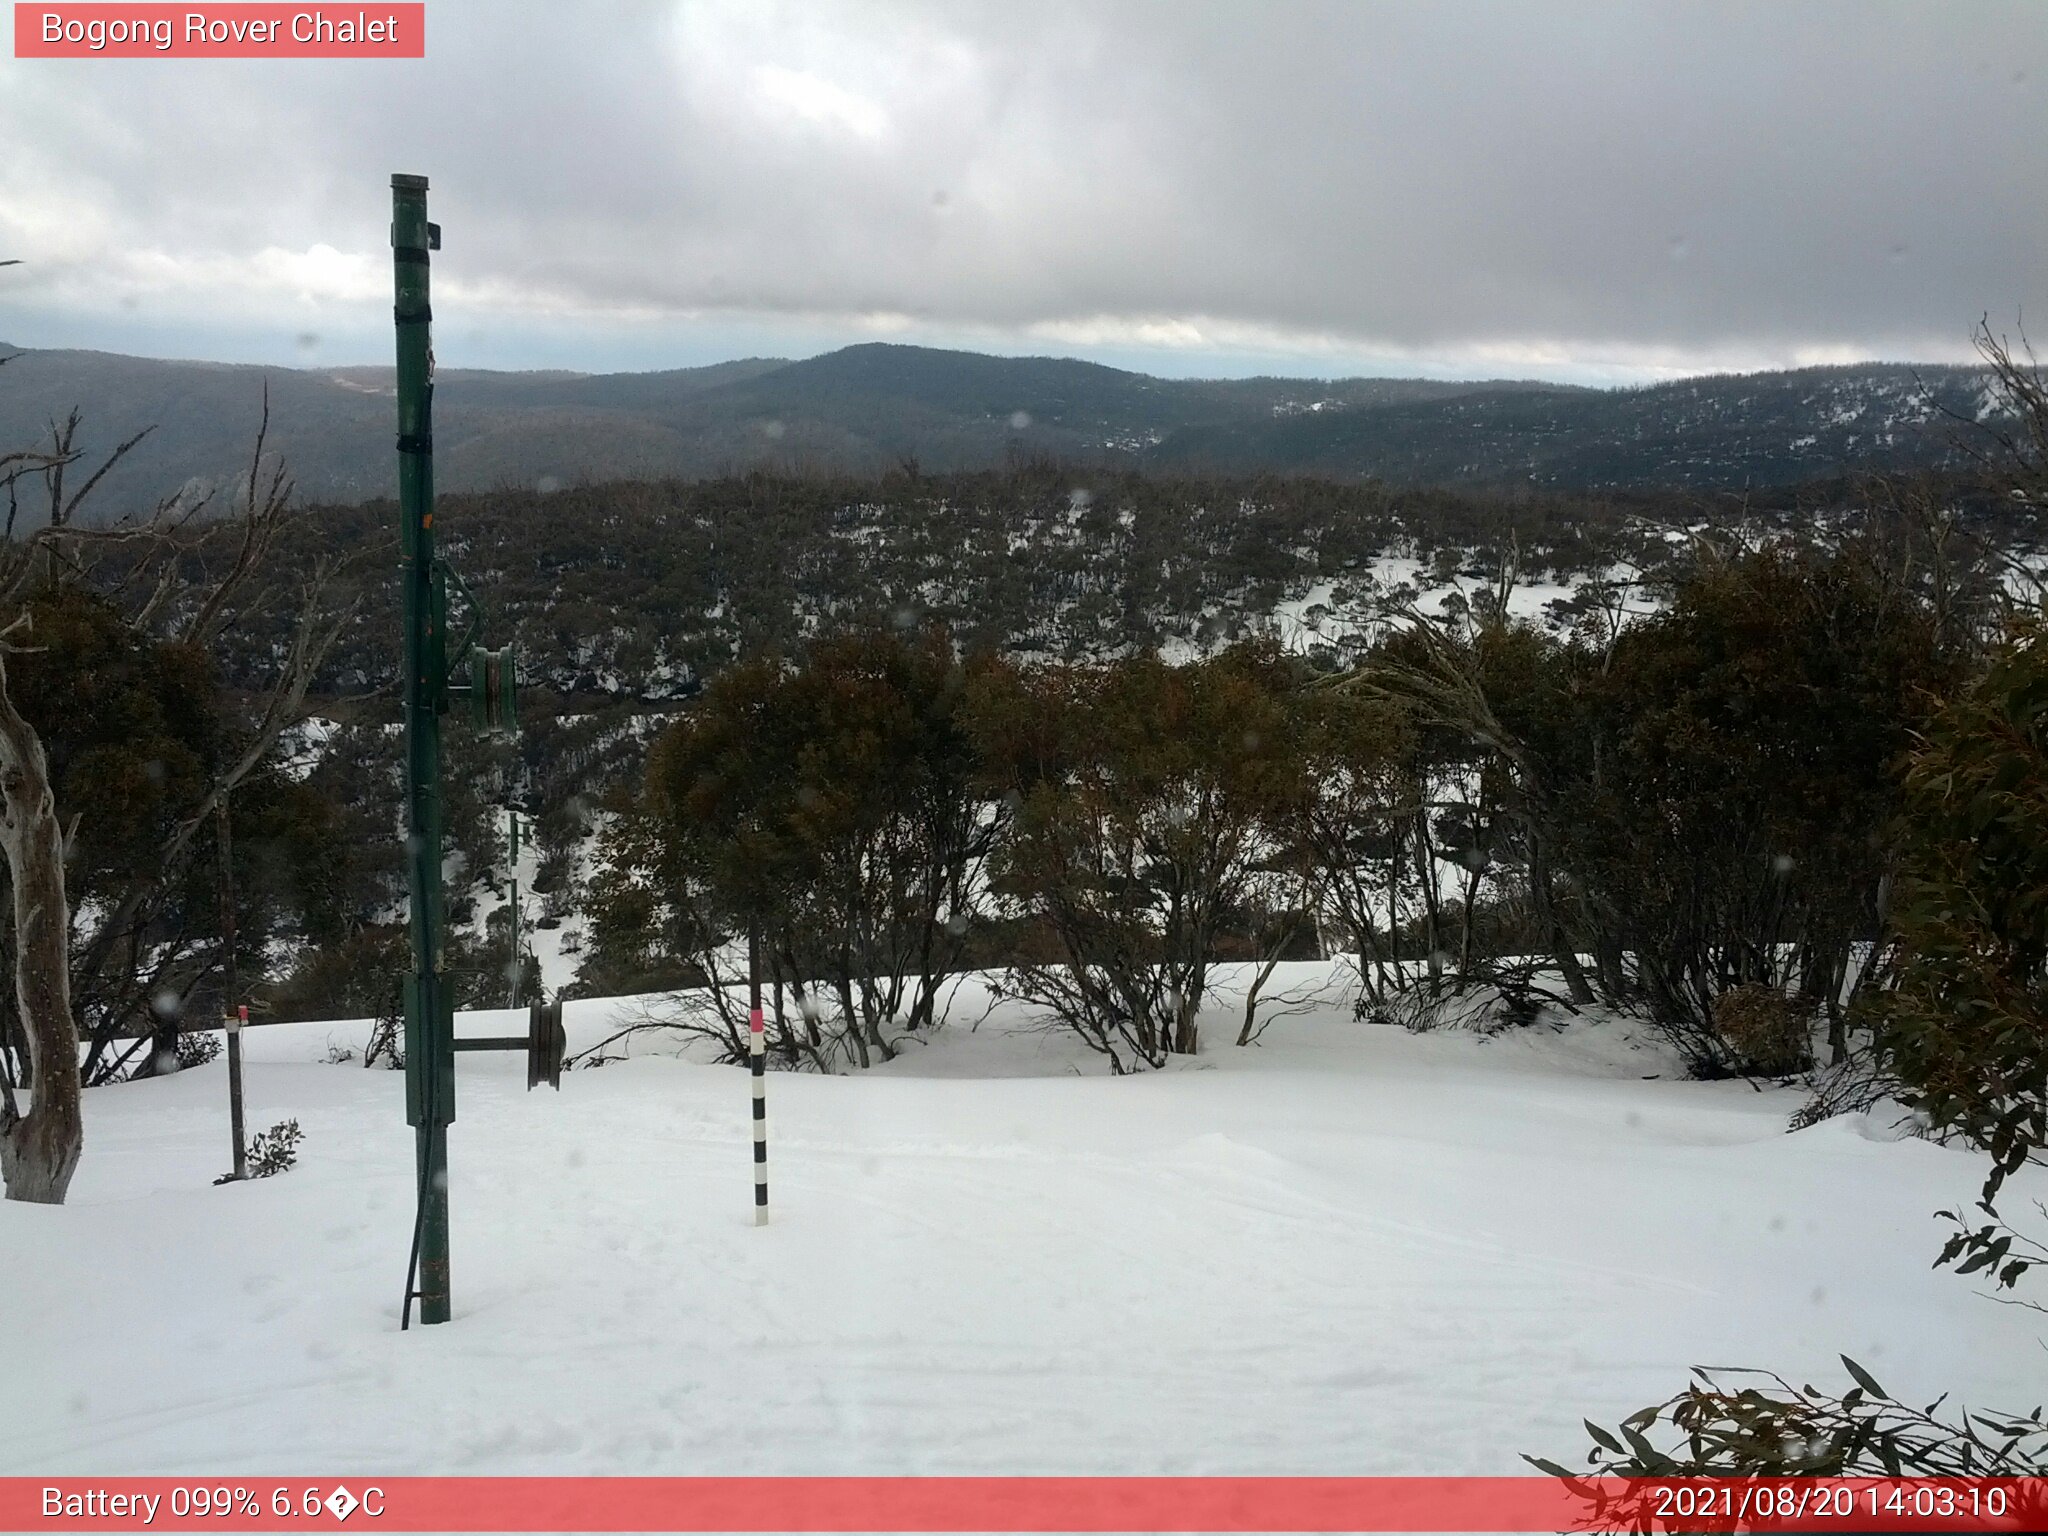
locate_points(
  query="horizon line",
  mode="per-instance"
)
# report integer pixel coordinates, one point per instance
(15, 350)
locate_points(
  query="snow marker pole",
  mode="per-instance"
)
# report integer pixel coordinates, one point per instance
(235, 1122)
(757, 1050)
(757, 1057)
(230, 985)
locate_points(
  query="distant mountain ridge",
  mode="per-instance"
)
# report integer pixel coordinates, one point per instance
(880, 406)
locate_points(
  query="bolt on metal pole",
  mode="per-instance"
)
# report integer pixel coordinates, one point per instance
(429, 1060)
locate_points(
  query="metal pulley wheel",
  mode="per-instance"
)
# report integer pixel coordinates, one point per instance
(546, 1043)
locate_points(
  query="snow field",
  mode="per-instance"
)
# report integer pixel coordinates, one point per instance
(1347, 1250)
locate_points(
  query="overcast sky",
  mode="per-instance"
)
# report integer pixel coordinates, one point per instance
(1593, 192)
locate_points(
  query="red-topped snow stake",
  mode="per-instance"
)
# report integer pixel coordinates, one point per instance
(757, 1053)
(757, 1056)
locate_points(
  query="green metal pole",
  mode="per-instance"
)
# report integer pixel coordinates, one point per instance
(430, 1055)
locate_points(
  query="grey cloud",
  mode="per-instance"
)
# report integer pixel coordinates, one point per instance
(1554, 181)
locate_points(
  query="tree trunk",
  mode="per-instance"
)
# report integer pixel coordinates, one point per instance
(1561, 944)
(1251, 996)
(1184, 1041)
(38, 1151)
(785, 1037)
(851, 1014)
(1465, 929)
(1425, 874)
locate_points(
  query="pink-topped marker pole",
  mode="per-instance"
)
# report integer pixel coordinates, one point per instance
(757, 1058)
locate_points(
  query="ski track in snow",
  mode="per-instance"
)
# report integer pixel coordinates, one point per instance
(1348, 1250)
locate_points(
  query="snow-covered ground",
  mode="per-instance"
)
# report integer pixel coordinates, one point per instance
(1346, 1250)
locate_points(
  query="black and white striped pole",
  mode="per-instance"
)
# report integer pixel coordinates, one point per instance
(757, 1058)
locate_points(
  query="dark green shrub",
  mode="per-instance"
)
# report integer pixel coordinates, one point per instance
(273, 1151)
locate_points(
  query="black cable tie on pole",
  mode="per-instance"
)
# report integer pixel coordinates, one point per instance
(419, 317)
(409, 443)
(416, 253)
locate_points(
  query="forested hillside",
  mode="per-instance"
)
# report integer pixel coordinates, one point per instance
(636, 592)
(875, 408)
(625, 600)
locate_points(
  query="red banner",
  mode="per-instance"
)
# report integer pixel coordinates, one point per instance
(1093, 1504)
(241, 31)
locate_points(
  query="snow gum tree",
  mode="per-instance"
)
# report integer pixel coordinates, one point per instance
(1963, 1030)
(118, 761)
(827, 808)
(1145, 801)
(39, 1150)
(1704, 803)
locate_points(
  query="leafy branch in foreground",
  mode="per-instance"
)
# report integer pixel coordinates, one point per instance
(1780, 1430)
(1995, 1248)
(1775, 1429)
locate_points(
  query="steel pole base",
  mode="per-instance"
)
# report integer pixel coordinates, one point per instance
(434, 1287)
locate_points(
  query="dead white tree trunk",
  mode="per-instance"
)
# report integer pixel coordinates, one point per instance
(38, 1150)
